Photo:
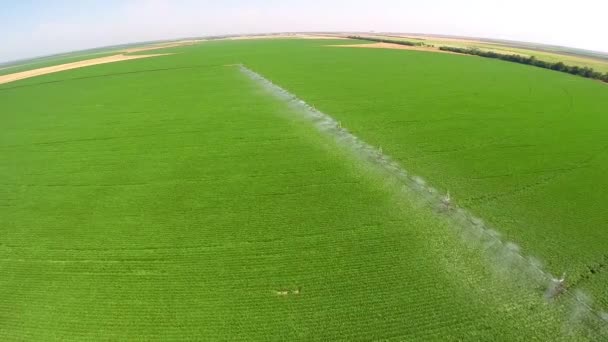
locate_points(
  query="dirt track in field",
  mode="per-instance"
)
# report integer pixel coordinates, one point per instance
(69, 66)
(393, 47)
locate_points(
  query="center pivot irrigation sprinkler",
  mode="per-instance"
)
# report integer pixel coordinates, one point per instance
(446, 201)
(557, 287)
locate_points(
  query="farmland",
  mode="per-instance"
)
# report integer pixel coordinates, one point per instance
(174, 197)
(553, 54)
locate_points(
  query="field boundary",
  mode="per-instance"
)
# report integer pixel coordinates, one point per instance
(505, 256)
(74, 65)
(110, 75)
(392, 46)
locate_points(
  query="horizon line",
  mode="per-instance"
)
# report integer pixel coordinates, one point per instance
(604, 54)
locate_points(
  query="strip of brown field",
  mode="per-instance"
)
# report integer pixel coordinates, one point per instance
(161, 46)
(393, 47)
(69, 66)
(294, 36)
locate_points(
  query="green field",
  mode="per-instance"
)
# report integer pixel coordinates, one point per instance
(175, 198)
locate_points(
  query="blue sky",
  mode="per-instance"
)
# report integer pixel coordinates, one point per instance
(41, 27)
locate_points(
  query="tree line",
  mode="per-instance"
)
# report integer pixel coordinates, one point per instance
(558, 66)
(381, 40)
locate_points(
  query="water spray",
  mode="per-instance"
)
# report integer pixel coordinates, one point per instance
(506, 256)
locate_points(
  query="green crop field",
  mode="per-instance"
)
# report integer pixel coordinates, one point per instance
(182, 198)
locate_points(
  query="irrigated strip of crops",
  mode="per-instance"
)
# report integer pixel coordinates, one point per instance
(528, 140)
(506, 256)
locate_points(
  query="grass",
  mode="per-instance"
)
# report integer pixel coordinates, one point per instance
(172, 198)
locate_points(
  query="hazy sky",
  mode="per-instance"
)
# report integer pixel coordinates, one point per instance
(40, 27)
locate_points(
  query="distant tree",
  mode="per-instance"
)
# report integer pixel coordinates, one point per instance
(531, 60)
(382, 40)
(586, 72)
(559, 66)
(575, 70)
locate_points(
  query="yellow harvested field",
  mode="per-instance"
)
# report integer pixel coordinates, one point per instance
(162, 46)
(392, 47)
(69, 66)
(296, 36)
